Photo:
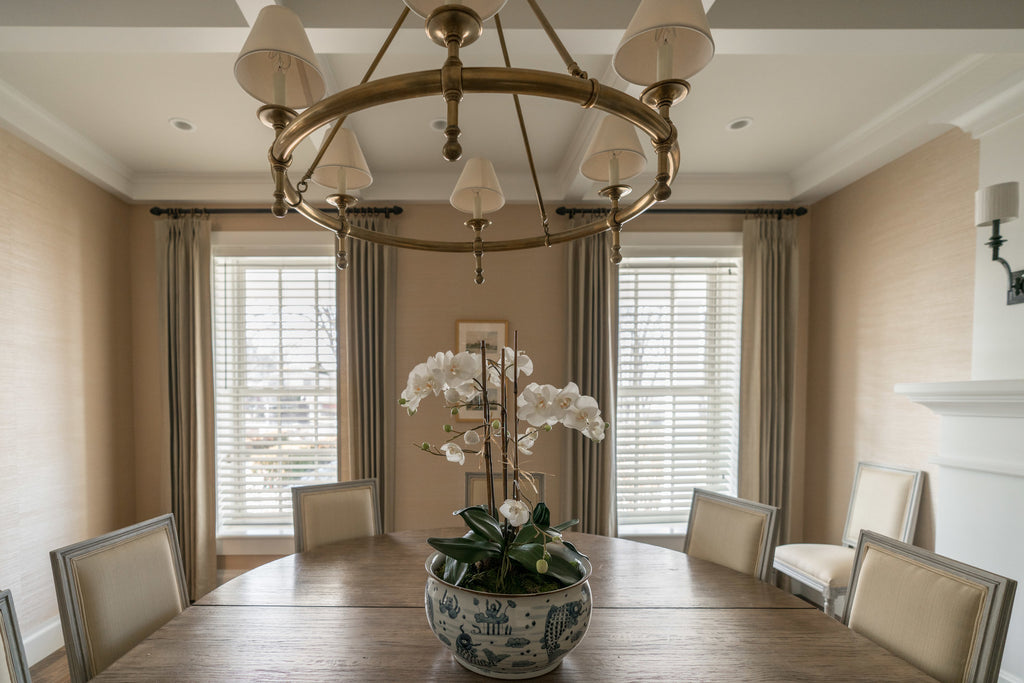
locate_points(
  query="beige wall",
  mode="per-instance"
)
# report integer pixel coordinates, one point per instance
(65, 370)
(891, 278)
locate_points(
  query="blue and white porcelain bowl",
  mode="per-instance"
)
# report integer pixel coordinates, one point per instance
(507, 636)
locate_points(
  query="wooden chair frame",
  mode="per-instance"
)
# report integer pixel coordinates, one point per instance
(983, 666)
(766, 546)
(830, 594)
(14, 647)
(299, 491)
(69, 600)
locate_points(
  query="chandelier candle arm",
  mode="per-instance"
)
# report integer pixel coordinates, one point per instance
(570, 64)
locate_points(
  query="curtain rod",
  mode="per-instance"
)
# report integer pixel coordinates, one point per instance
(388, 211)
(798, 211)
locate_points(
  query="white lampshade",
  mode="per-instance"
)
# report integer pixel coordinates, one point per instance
(478, 180)
(678, 28)
(615, 142)
(996, 203)
(278, 49)
(485, 8)
(343, 166)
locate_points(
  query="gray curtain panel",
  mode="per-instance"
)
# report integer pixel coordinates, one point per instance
(183, 266)
(372, 400)
(593, 338)
(767, 383)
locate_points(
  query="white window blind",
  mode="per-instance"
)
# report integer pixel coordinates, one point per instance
(275, 358)
(678, 384)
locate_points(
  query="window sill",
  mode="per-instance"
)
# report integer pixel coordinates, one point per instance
(257, 542)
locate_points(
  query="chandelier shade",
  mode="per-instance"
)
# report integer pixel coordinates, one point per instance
(277, 64)
(485, 8)
(478, 191)
(996, 203)
(614, 153)
(343, 166)
(666, 39)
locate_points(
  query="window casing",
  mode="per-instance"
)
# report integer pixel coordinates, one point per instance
(678, 384)
(275, 369)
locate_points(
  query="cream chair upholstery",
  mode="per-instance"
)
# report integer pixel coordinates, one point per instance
(733, 532)
(328, 513)
(115, 590)
(946, 618)
(476, 487)
(884, 499)
(14, 667)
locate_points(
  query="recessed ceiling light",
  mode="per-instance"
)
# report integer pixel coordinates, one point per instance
(439, 124)
(181, 124)
(740, 123)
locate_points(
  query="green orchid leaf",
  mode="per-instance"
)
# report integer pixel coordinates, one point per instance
(529, 533)
(566, 570)
(571, 547)
(527, 554)
(454, 571)
(541, 515)
(466, 549)
(565, 525)
(479, 520)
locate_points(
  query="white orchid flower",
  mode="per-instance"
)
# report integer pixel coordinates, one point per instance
(454, 453)
(595, 430)
(568, 396)
(419, 386)
(472, 438)
(515, 511)
(526, 441)
(583, 412)
(537, 404)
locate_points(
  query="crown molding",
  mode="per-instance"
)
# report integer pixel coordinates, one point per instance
(53, 137)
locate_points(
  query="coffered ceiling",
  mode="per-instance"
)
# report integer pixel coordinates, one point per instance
(834, 89)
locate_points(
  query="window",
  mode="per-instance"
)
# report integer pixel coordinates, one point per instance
(275, 369)
(678, 384)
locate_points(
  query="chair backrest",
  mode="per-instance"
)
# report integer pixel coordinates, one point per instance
(885, 499)
(14, 665)
(476, 487)
(329, 513)
(947, 618)
(733, 532)
(116, 589)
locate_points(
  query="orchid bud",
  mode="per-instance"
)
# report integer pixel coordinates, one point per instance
(547, 428)
(496, 425)
(542, 566)
(447, 428)
(425, 446)
(402, 401)
(455, 411)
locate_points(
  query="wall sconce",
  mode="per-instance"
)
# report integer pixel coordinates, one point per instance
(993, 205)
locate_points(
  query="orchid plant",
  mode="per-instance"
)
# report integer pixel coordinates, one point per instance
(511, 547)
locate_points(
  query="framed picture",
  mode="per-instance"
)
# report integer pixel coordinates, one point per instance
(468, 335)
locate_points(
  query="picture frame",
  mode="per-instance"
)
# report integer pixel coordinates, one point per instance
(468, 335)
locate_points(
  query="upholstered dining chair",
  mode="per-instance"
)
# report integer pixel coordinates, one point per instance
(947, 618)
(733, 532)
(884, 499)
(14, 665)
(329, 513)
(116, 589)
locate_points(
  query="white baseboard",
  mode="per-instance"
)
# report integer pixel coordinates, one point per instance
(43, 641)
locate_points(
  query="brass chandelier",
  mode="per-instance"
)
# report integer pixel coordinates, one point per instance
(666, 42)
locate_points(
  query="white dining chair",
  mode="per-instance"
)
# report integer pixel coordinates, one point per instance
(14, 665)
(329, 513)
(884, 499)
(947, 618)
(116, 589)
(733, 532)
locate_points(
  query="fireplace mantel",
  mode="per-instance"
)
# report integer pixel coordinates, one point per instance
(982, 423)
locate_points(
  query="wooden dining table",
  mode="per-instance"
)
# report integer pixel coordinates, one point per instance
(354, 612)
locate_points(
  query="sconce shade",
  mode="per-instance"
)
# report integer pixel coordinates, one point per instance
(485, 8)
(478, 179)
(277, 44)
(343, 160)
(615, 138)
(681, 23)
(996, 203)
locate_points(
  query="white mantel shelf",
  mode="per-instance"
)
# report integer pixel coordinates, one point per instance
(982, 425)
(981, 398)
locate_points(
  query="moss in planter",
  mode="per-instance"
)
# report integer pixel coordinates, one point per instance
(517, 581)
